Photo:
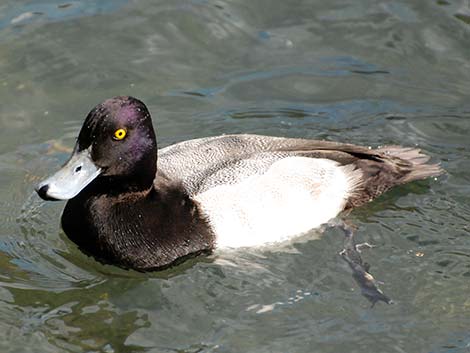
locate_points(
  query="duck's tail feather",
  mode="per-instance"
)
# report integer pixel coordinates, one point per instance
(388, 166)
(411, 162)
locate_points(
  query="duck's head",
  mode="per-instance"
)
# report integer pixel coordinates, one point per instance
(115, 145)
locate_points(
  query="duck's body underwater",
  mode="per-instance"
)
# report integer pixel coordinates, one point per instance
(126, 208)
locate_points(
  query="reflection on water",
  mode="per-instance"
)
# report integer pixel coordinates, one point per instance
(366, 72)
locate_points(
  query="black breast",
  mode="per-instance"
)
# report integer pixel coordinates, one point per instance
(143, 231)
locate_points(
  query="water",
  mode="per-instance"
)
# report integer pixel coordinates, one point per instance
(366, 72)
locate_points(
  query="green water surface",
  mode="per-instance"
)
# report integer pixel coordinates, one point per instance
(366, 72)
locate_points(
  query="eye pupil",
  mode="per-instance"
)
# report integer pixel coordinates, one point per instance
(120, 134)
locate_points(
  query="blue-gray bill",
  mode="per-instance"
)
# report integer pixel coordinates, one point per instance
(73, 177)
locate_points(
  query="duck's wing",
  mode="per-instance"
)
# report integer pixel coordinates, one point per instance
(207, 162)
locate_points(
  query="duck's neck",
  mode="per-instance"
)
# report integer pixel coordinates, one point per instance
(139, 178)
(143, 230)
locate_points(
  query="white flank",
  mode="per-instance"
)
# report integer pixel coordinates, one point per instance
(295, 195)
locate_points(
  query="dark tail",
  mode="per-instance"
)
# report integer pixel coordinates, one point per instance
(411, 163)
(387, 167)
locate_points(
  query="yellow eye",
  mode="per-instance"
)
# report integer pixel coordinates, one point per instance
(119, 134)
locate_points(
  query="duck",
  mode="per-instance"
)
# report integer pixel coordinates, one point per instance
(138, 207)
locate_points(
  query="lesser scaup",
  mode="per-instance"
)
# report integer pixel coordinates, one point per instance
(128, 207)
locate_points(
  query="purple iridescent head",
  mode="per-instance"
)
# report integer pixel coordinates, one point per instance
(116, 143)
(117, 154)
